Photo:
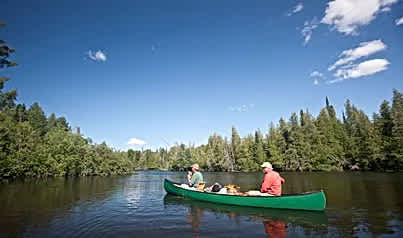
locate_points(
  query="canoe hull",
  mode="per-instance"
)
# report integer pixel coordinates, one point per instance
(295, 217)
(315, 201)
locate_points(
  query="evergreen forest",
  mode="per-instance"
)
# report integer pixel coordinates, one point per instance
(302, 143)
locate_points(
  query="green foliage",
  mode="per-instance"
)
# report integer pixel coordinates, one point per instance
(37, 119)
(7, 99)
(245, 161)
(396, 160)
(275, 147)
(235, 148)
(303, 143)
(258, 149)
(32, 145)
(5, 52)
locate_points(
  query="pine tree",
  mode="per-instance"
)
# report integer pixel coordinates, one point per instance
(246, 163)
(292, 153)
(5, 52)
(309, 140)
(366, 141)
(228, 161)
(396, 161)
(258, 149)
(360, 142)
(235, 147)
(37, 119)
(21, 114)
(331, 154)
(349, 145)
(62, 123)
(51, 122)
(7, 99)
(276, 146)
(383, 124)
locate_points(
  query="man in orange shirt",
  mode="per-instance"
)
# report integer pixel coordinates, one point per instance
(271, 181)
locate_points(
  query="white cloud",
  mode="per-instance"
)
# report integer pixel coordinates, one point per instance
(317, 76)
(399, 21)
(365, 68)
(308, 29)
(386, 9)
(134, 141)
(335, 80)
(98, 56)
(347, 15)
(364, 50)
(242, 108)
(296, 9)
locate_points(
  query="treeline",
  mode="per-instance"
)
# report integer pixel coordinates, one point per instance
(33, 145)
(302, 143)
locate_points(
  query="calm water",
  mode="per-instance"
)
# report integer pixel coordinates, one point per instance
(359, 205)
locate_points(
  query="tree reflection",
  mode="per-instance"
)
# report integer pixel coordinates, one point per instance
(35, 203)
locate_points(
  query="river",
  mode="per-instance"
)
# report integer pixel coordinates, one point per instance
(359, 204)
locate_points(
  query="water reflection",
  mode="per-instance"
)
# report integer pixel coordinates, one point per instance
(275, 229)
(195, 215)
(359, 205)
(34, 204)
(275, 222)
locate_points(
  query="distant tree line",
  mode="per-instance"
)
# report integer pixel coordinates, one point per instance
(302, 143)
(33, 145)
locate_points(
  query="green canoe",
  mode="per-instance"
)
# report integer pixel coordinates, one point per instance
(311, 201)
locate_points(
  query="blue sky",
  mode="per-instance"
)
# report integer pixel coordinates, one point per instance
(164, 72)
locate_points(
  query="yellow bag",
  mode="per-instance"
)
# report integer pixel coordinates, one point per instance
(232, 189)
